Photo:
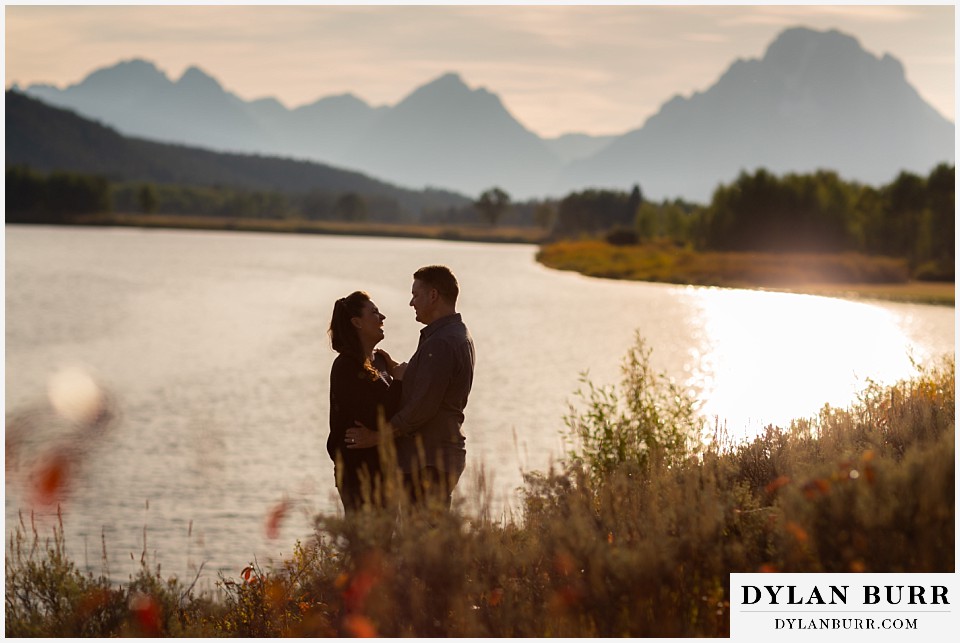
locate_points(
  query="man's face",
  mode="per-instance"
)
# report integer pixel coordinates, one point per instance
(423, 301)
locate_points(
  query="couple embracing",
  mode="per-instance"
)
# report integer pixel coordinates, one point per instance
(421, 401)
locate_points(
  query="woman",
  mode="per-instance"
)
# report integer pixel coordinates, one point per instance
(361, 388)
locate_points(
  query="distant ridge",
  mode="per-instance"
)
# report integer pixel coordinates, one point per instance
(48, 138)
(815, 100)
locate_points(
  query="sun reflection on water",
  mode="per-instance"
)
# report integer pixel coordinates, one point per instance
(780, 356)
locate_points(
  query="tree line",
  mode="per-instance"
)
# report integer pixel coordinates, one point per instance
(912, 217)
(58, 197)
(36, 198)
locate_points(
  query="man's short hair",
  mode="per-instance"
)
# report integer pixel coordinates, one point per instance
(441, 278)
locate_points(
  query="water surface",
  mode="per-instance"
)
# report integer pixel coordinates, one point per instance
(214, 344)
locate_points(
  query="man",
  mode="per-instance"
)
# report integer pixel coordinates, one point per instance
(431, 449)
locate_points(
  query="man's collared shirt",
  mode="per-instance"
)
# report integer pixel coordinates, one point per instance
(436, 385)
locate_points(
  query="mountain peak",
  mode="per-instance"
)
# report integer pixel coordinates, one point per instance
(449, 89)
(196, 78)
(449, 84)
(449, 79)
(800, 43)
(135, 71)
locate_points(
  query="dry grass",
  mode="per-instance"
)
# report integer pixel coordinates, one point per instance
(841, 275)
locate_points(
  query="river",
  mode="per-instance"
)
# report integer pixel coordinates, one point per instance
(213, 346)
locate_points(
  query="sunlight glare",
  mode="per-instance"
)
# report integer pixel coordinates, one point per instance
(782, 356)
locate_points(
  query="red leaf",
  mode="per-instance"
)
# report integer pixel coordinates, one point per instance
(275, 518)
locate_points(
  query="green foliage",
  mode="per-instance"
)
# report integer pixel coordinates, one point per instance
(492, 204)
(592, 211)
(796, 213)
(622, 237)
(245, 204)
(649, 422)
(32, 197)
(545, 214)
(912, 217)
(351, 207)
(147, 197)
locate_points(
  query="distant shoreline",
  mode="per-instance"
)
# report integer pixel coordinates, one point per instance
(841, 275)
(299, 226)
(575, 256)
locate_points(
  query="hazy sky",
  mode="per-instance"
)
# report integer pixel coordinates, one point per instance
(558, 69)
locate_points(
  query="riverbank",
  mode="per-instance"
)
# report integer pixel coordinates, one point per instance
(480, 233)
(606, 549)
(846, 275)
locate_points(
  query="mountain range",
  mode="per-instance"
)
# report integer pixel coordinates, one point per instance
(815, 100)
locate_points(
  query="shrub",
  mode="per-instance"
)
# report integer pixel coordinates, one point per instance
(649, 421)
(622, 237)
(635, 536)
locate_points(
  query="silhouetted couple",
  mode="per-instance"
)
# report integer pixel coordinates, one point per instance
(418, 405)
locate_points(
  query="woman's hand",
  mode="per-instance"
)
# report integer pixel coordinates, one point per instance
(391, 363)
(360, 437)
(395, 370)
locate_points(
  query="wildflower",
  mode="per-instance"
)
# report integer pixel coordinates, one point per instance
(816, 487)
(359, 626)
(774, 485)
(358, 587)
(797, 532)
(50, 478)
(146, 613)
(275, 518)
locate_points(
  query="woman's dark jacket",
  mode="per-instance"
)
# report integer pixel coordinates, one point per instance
(356, 396)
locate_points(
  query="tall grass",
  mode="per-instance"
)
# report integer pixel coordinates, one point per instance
(635, 534)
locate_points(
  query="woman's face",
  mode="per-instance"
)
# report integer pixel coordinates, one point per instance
(369, 324)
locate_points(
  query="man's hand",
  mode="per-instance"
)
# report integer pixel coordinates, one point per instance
(360, 437)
